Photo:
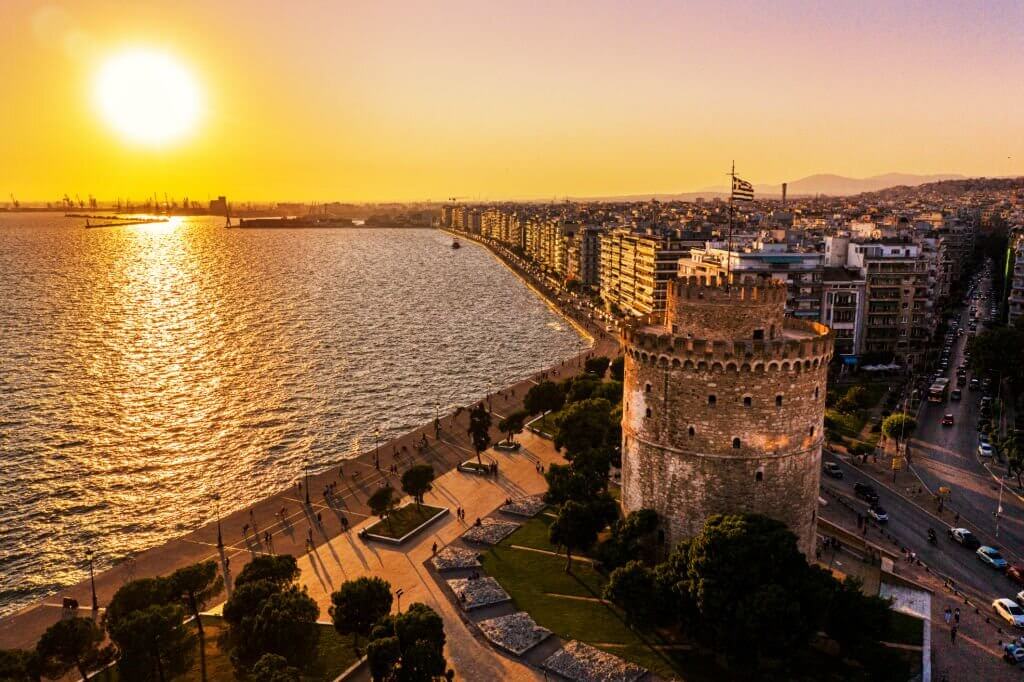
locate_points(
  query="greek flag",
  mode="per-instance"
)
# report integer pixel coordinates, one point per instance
(742, 190)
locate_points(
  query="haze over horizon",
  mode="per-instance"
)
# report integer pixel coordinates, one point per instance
(396, 101)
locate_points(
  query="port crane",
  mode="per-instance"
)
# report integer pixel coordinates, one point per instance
(15, 203)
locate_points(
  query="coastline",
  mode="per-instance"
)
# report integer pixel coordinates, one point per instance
(306, 509)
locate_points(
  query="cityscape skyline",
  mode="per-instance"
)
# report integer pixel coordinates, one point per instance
(408, 102)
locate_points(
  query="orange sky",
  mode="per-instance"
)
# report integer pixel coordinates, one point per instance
(425, 100)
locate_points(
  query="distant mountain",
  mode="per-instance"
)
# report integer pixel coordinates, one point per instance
(838, 185)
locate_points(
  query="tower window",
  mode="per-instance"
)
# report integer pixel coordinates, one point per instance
(778, 400)
(758, 335)
(712, 400)
(811, 432)
(692, 431)
(759, 476)
(815, 392)
(747, 401)
(647, 388)
(648, 412)
(736, 443)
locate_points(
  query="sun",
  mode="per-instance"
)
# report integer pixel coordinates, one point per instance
(147, 96)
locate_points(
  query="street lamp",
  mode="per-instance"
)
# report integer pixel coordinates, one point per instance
(376, 446)
(305, 468)
(220, 535)
(92, 582)
(398, 593)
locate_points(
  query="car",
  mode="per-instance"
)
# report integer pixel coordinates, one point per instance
(973, 384)
(833, 470)
(1008, 610)
(865, 492)
(877, 513)
(1013, 653)
(955, 394)
(964, 537)
(985, 450)
(991, 556)
(947, 419)
(1015, 572)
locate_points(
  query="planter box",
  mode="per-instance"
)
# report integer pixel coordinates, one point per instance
(379, 531)
(508, 447)
(474, 467)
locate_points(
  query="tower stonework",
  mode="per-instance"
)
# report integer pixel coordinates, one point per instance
(723, 408)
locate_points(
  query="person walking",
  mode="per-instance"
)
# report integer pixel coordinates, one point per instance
(433, 548)
(947, 615)
(956, 615)
(952, 635)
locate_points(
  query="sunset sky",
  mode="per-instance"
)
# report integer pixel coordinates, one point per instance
(424, 100)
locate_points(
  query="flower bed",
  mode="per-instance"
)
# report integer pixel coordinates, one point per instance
(583, 663)
(490, 532)
(516, 633)
(474, 593)
(525, 506)
(403, 523)
(451, 558)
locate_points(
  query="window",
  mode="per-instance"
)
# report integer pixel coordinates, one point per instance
(647, 388)
(778, 400)
(648, 412)
(815, 391)
(692, 431)
(747, 401)
(811, 432)
(759, 475)
(758, 334)
(736, 443)
(712, 400)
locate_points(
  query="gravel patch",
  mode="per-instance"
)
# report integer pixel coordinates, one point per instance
(525, 506)
(490, 532)
(516, 633)
(475, 593)
(451, 558)
(580, 662)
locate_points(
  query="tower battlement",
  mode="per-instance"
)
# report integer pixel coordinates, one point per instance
(716, 290)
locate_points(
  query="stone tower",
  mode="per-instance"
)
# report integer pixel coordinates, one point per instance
(723, 408)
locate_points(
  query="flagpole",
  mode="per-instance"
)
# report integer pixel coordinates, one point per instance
(728, 253)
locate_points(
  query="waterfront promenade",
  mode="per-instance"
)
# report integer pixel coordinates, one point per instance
(244, 530)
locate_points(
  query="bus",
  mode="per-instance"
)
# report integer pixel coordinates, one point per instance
(939, 391)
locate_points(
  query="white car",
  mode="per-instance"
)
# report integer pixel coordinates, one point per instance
(878, 514)
(985, 449)
(1009, 611)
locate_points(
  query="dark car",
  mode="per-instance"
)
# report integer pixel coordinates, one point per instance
(865, 492)
(955, 394)
(947, 419)
(833, 470)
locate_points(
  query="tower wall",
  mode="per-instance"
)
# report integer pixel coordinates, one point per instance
(686, 401)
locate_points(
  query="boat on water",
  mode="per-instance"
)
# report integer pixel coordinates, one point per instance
(456, 244)
(291, 223)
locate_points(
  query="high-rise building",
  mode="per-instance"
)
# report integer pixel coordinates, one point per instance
(637, 267)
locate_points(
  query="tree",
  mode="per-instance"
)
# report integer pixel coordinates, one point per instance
(633, 588)
(421, 638)
(283, 624)
(544, 397)
(417, 480)
(137, 595)
(580, 388)
(480, 429)
(898, 426)
(610, 391)
(19, 665)
(565, 483)
(513, 424)
(153, 643)
(583, 426)
(274, 668)
(72, 644)
(998, 352)
(358, 604)
(618, 368)
(197, 585)
(383, 655)
(596, 365)
(1012, 447)
(382, 502)
(279, 569)
(575, 528)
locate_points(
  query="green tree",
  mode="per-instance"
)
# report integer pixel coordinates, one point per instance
(137, 595)
(580, 388)
(596, 365)
(618, 368)
(583, 426)
(997, 352)
(383, 655)
(21, 665)
(382, 502)
(153, 643)
(284, 624)
(512, 425)
(575, 528)
(544, 397)
(899, 426)
(417, 481)
(480, 430)
(566, 483)
(634, 589)
(274, 668)
(197, 585)
(610, 391)
(280, 569)
(358, 604)
(72, 644)
(1012, 448)
(421, 638)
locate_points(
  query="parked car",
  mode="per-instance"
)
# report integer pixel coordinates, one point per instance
(878, 514)
(973, 385)
(1013, 653)
(947, 419)
(833, 470)
(1008, 610)
(865, 492)
(963, 537)
(985, 450)
(991, 556)
(955, 394)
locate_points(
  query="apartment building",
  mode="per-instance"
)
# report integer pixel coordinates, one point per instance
(636, 267)
(1015, 277)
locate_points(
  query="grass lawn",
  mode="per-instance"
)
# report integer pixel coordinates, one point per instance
(403, 520)
(334, 656)
(547, 424)
(534, 533)
(904, 629)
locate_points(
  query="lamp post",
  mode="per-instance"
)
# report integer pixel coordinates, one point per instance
(220, 534)
(92, 583)
(376, 446)
(398, 593)
(305, 468)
